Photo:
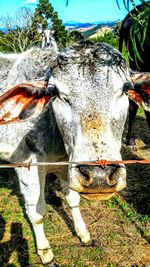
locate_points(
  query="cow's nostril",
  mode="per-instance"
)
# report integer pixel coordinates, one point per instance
(111, 179)
(83, 169)
(117, 176)
(86, 178)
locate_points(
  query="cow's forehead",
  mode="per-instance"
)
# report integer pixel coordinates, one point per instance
(90, 69)
(87, 54)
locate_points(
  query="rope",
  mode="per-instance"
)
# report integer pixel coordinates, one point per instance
(102, 163)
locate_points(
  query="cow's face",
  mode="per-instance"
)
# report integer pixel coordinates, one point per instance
(90, 112)
(46, 35)
(47, 38)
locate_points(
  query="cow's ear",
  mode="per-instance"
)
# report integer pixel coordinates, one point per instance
(136, 97)
(141, 91)
(23, 102)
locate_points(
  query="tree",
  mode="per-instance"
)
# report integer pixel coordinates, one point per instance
(46, 16)
(108, 37)
(21, 35)
(76, 36)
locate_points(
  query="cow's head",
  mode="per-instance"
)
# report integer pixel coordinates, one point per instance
(90, 108)
(47, 37)
(90, 112)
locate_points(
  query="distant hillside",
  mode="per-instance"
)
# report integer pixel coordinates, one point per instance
(87, 28)
(93, 30)
(77, 24)
(70, 25)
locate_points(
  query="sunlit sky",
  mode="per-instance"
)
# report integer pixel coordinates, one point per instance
(77, 10)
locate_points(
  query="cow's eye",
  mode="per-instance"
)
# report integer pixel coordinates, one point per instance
(52, 90)
(127, 85)
(67, 101)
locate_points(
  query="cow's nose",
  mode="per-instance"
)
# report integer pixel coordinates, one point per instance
(109, 176)
(96, 176)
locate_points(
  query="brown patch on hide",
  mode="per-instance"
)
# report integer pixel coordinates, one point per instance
(92, 124)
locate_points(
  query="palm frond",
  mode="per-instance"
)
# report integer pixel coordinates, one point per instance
(118, 4)
(126, 3)
(135, 49)
(139, 28)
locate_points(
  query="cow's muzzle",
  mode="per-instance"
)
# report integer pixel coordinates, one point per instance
(101, 183)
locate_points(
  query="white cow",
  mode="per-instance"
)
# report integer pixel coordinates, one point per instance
(48, 39)
(83, 121)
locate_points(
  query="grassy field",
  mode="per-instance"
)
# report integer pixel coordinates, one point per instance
(120, 227)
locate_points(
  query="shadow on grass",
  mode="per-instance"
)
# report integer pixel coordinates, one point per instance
(137, 192)
(141, 130)
(16, 243)
(52, 184)
(9, 180)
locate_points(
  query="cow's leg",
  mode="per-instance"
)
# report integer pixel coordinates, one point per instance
(73, 199)
(133, 107)
(32, 184)
(147, 114)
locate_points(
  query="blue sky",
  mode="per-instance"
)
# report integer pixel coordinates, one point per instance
(77, 10)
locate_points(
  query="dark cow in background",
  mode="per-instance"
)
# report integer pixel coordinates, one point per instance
(135, 63)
